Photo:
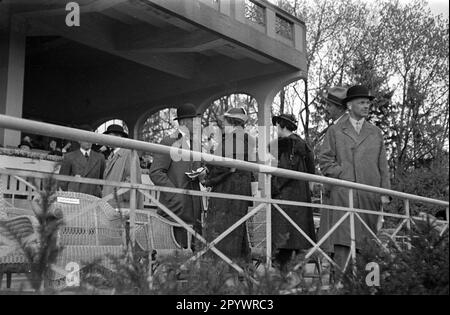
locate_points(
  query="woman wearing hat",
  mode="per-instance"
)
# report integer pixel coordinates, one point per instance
(293, 154)
(223, 213)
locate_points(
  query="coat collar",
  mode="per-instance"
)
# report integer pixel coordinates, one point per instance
(111, 161)
(347, 129)
(86, 165)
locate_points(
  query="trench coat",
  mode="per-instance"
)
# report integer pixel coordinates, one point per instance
(118, 170)
(75, 164)
(167, 172)
(296, 155)
(223, 213)
(357, 158)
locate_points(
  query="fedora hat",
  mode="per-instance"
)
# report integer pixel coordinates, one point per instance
(336, 95)
(287, 118)
(358, 91)
(116, 129)
(187, 110)
(237, 113)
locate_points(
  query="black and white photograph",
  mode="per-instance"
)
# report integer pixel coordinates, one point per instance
(225, 154)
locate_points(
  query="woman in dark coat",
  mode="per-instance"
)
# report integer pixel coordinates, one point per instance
(223, 213)
(293, 154)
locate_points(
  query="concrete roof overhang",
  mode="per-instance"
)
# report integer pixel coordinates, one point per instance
(129, 56)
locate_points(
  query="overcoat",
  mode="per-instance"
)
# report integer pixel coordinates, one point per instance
(223, 213)
(296, 155)
(168, 172)
(357, 158)
(75, 164)
(118, 170)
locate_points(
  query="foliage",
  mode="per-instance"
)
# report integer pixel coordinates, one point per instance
(159, 125)
(41, 251)
(207, 276)
(399, 50)
(422, 270)
(428, 180)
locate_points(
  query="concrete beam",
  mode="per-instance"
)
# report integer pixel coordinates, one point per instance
(143, 38)
(98, 32)
(231, 29)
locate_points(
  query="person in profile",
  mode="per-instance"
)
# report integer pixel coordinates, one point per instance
(223, 213)
(294, 154)
(167, 172)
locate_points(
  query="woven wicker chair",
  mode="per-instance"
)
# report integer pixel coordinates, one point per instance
(17, 227)
(15, 232)
(155, 234)
(92, 230)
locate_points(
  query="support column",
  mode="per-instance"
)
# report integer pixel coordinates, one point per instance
(12, 70)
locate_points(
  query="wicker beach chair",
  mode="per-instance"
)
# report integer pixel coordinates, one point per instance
(15, 233)
(92, 231)
(17, 228)
(155, 234)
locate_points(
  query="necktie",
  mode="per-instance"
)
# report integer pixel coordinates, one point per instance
(86, 155)
(358, 126)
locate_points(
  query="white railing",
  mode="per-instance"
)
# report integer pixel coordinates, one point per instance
(265, 202)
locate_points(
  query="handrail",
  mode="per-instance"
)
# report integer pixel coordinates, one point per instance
(76, 134)
(198, 193)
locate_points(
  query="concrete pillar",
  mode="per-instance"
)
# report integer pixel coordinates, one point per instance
(12, 69)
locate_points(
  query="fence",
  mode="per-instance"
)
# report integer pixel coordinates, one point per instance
(265, 203)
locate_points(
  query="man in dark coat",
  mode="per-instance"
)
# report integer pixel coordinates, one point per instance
(336, 110)
(223, 213)
(83, 162)
(354, 150)
(167, 172)
(293, 154)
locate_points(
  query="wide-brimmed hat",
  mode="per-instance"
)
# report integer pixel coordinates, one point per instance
(358, 91)
(116, 129)
(187, 110)
(336, 96)
(287, 118)
(237, 113)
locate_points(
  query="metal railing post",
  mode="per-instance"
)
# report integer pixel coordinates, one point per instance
(407, 212)
(133, 196)
(267, 190)
(352, 228)
(446, 215)
(408, 222)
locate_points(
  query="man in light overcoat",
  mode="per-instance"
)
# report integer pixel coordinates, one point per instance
(354, 150)
(118, 170)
